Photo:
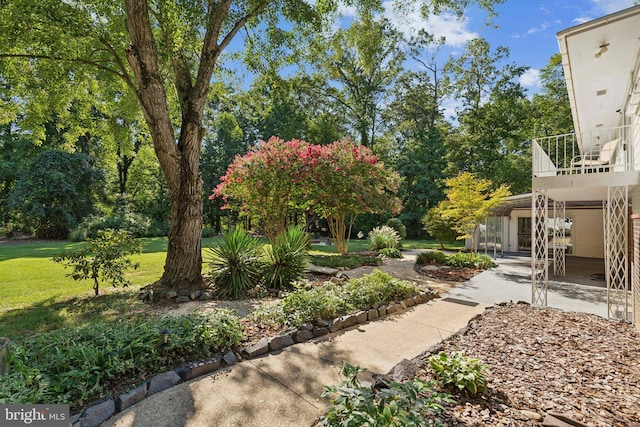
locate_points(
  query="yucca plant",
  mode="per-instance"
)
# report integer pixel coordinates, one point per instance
(236, 264)
(286, 259)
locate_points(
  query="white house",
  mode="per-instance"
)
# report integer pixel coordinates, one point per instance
(588, 182)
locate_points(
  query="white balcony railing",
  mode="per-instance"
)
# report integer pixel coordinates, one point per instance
(601, 150)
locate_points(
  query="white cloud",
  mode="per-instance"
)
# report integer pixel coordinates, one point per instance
(347, 11)
(611, 6)
(530, 78)
(447, 25)
(542, 27)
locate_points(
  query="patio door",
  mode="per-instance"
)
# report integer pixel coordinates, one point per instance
(524, 234)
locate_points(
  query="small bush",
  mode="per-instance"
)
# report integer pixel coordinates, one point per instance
(236, 265)
(286, 259)
(376, 288)
(348, 261)
(459, 371)
(401, 404)
(105, 259)
(136, 224)
(390, 253)
(397, 225)
(75, 366)
(330, 301)
(208, 232)
(431, 257)
(383, 237)
(470, 260)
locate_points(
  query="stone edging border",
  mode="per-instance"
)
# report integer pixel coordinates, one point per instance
(95, 415)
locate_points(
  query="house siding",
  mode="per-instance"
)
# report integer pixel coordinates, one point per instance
(587, 233)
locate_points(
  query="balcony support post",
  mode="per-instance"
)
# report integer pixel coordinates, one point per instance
(539, 247)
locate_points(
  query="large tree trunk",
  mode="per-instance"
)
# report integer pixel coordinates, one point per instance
(182, 269)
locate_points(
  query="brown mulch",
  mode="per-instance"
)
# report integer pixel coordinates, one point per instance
(451, 274)
(545, 360)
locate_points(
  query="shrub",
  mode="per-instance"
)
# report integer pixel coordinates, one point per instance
(376, 288)
(459, 371)
(383, 237)
(390, 253)
(75, 366)
(470, 260)
(348, 261)
(330, 301)
(105, 259)
(235, 264)
(401, 404)
(397, 225)
(286, 259)
(208, 232)
(431, 257)
(136, 224)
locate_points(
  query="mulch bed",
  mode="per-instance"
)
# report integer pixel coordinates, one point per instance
(545, 360)
(451, 274)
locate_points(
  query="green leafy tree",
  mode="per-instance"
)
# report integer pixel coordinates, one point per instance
(551, 107)
(362, 63)
(438, 226)
(469, 200)
(166, 53)
(105, 259)
(55, 192)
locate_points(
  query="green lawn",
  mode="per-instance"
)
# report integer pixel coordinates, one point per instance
(36, 295)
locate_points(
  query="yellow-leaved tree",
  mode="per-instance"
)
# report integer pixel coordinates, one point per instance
(469, 200)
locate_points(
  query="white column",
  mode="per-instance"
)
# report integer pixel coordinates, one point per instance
(615, 213)
(539, 249)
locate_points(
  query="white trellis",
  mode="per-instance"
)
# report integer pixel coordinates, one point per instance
(635, 273)
(615, 214)
(559, 262)
(539, 248)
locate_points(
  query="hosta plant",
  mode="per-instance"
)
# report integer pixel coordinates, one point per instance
(459, 371)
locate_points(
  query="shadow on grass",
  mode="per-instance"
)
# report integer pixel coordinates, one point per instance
(53, 314)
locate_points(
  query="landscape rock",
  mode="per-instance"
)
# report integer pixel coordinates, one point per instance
(382, 311)
(279, 342)
(257, 349)
(326, 271)
(230, 358)
(97, 414)
(404, 370)
(409, 302)
(131, 397)
(318, 332)
(361, 316)
(182, 299)
(196, 369)
(170, 294)
(349, 320)
(205, 296)
(336, 325)
(162, 382)
(372, 314)
(303, 336)
(391, 308)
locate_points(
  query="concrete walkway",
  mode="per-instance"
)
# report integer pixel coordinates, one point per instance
(284, 389)
(511, 281)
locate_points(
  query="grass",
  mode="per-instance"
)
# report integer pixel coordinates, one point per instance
(37, 295)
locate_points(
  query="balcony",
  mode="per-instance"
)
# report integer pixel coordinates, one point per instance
(597, 151)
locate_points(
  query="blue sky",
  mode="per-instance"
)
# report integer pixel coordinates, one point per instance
(527, 27)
